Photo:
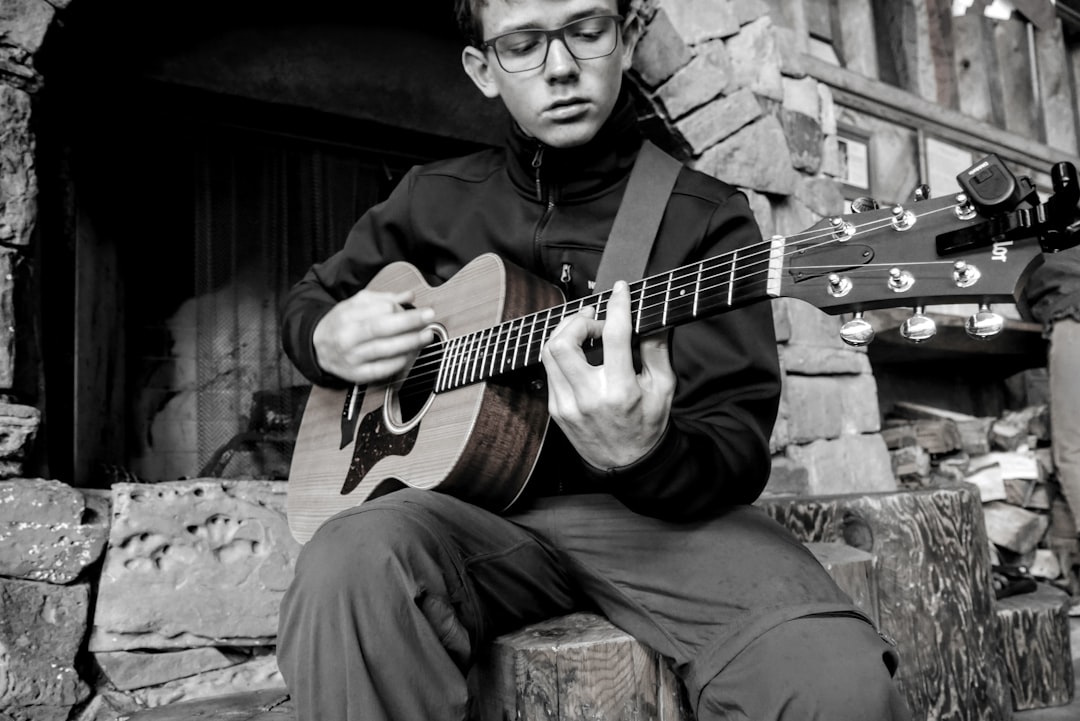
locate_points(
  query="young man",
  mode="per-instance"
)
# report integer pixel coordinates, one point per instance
(638, 504)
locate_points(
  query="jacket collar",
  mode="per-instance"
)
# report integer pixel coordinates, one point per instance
(567, 174)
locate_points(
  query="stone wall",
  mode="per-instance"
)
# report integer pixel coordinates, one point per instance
(193, 571)
(729, 84)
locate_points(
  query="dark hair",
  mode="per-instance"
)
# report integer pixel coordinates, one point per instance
(467, 13)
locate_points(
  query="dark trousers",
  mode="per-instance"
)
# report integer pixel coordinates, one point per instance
(392, 599)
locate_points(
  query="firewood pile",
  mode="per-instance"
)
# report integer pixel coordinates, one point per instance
(1008, 458)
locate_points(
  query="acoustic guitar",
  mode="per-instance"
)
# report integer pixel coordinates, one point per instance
(470, 416)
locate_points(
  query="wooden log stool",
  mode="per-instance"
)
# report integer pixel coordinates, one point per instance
(582, 667)
(934, 590)
(1036, 647)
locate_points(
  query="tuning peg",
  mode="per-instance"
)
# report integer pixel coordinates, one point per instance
(919, 327)
(839, 286)
(857, 331)
(965, 275)
(984, 324)
(900, 281)
(863, 204)
(921, 193)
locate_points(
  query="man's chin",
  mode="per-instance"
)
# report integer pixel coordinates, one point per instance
(568, 135)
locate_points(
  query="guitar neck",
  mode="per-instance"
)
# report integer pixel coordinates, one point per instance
(682, 295)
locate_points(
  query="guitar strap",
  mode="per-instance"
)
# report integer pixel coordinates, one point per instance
(638, 219)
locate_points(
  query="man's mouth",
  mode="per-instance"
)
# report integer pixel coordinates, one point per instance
(567, 109)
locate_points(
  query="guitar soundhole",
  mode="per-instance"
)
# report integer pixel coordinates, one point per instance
(411, 395)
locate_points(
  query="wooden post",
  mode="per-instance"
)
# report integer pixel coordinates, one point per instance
(977, 78)
(1056, 89)
(1014, 50)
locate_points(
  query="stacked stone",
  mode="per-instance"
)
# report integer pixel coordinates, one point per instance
(51, 536)
(729, 84)
(187, 605)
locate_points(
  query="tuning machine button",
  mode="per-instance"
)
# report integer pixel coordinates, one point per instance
(922, 192)
(984, 324)
(919, 327)
(857, 331)
(864, 204)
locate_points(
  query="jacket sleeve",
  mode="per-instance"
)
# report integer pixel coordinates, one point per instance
(379, 237)
(715, 450)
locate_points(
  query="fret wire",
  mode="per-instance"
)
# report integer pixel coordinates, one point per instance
(731, 281)
(485, 350)
(641, 303)
(506, 345)
(451, 368)
(697, 288)
(495, 351)
(440, 376)
(667, 298)
(470, 359)
(466, 353)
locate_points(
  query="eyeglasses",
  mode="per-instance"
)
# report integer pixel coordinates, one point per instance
(588, 38)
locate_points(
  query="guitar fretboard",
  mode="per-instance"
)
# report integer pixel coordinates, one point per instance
(694, 291)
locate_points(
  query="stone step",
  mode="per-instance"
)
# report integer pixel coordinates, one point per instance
(269, 705)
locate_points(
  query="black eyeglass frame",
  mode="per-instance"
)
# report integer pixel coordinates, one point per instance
(559, 33)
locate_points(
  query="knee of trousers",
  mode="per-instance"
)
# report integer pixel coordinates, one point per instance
(815, 668)
(382, 550)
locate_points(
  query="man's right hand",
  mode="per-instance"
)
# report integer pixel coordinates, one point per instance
(372, 336)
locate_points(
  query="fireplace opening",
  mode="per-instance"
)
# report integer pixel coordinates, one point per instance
(189, 228)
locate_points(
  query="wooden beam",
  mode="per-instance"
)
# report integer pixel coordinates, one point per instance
(895, 105)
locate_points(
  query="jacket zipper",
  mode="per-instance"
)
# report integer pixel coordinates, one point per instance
(537, 160)
(566, 278)
(537, 163)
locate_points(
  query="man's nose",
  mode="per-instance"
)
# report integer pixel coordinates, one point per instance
(560, 61)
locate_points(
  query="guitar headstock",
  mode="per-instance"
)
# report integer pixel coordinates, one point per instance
(893, 257)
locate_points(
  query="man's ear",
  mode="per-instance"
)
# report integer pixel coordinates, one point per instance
(477, 67)
(631, 33)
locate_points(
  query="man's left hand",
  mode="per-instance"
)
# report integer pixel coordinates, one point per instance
(612, 414)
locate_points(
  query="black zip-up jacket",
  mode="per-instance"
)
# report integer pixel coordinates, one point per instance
(550, 211)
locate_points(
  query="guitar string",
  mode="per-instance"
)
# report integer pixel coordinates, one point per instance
(432, 356)
(599, 300)
(534, 319)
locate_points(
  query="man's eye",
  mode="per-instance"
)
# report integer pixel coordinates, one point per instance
(520, 45)
(588, 36)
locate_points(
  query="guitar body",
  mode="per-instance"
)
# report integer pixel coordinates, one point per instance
(478, 442)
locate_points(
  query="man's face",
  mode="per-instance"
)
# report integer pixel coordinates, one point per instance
(563, 102)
